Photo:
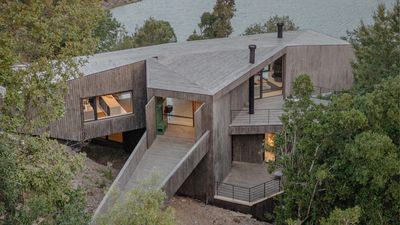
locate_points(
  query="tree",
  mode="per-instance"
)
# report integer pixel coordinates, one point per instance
(39, 42)
(343, 217)
(140, 206)
(323, 150)
(376, 49)
(109, 31)
(216, 24)
(271, 25)
(154, 32)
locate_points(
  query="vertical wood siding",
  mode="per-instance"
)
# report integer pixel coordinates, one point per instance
(130, 77)
(151, 121)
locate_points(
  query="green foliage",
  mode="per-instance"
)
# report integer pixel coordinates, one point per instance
(216, 24)
(343, 217)
(340, 156)
(41, 38)
(154, 32)
(141, 206)
(376, 48)
(270, 25)
(347, 155)
(109, 31)
(39, 41)
(35, 185)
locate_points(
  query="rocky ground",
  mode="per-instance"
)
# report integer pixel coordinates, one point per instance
(192, 212)
(109, 4)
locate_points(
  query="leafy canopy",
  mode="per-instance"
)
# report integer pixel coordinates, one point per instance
(376, 48)
(143, 205)
(340, 156)
(153, 32)
(39, 42)
(216, 24)
(271, 25)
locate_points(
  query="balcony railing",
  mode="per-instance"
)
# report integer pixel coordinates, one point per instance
(261, 116)
(247, 194)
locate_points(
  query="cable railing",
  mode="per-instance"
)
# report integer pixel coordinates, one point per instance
(247, 194)
(261, 116)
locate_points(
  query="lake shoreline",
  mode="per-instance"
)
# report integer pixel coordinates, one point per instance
(110, 4)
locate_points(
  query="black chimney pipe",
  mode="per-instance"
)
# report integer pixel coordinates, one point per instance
(280, 29)
(252, 53)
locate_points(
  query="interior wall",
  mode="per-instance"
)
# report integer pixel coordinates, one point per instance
(329, 66)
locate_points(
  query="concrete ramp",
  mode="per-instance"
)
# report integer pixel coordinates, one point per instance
(171, 157)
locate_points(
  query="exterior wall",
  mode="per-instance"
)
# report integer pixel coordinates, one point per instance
(328, 66)
(222, 140)
(200, 183)
(131, 77)
(247, 148)
(151, 121)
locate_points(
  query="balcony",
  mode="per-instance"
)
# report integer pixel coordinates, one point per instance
(266, 117)
(247, 184)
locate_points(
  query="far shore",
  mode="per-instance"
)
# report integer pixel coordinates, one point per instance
(110, 4)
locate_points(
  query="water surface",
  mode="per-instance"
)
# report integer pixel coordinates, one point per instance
(332, 17)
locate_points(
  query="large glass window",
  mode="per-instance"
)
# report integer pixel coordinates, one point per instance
(105, 106)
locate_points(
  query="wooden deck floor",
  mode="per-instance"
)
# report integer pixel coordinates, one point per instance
(163, 155)
(266, 112)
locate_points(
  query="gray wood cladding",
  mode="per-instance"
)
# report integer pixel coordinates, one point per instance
(248, 148)
(186, 165)
(199, 121)
(328, 66)
(130, 77)
(151, 121)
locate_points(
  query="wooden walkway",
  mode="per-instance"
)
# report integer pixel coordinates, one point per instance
(162, 156)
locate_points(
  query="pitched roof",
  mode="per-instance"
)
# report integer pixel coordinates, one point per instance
(204, 66)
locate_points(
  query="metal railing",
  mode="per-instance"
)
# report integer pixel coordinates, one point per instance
(247, 194)
(266, 116)
(322, 91)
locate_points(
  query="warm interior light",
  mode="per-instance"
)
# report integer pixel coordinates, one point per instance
(269, 141)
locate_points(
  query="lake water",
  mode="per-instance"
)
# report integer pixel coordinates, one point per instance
(332, 17)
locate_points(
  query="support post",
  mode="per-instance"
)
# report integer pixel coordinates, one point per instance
(251, 95)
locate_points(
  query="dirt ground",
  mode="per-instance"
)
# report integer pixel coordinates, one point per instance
(191, 212)
(102, 165)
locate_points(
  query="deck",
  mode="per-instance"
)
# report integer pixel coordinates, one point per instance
(266, 112)
(266, 117)
(247, 184)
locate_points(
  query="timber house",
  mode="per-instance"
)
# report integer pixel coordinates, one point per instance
(199, 113)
